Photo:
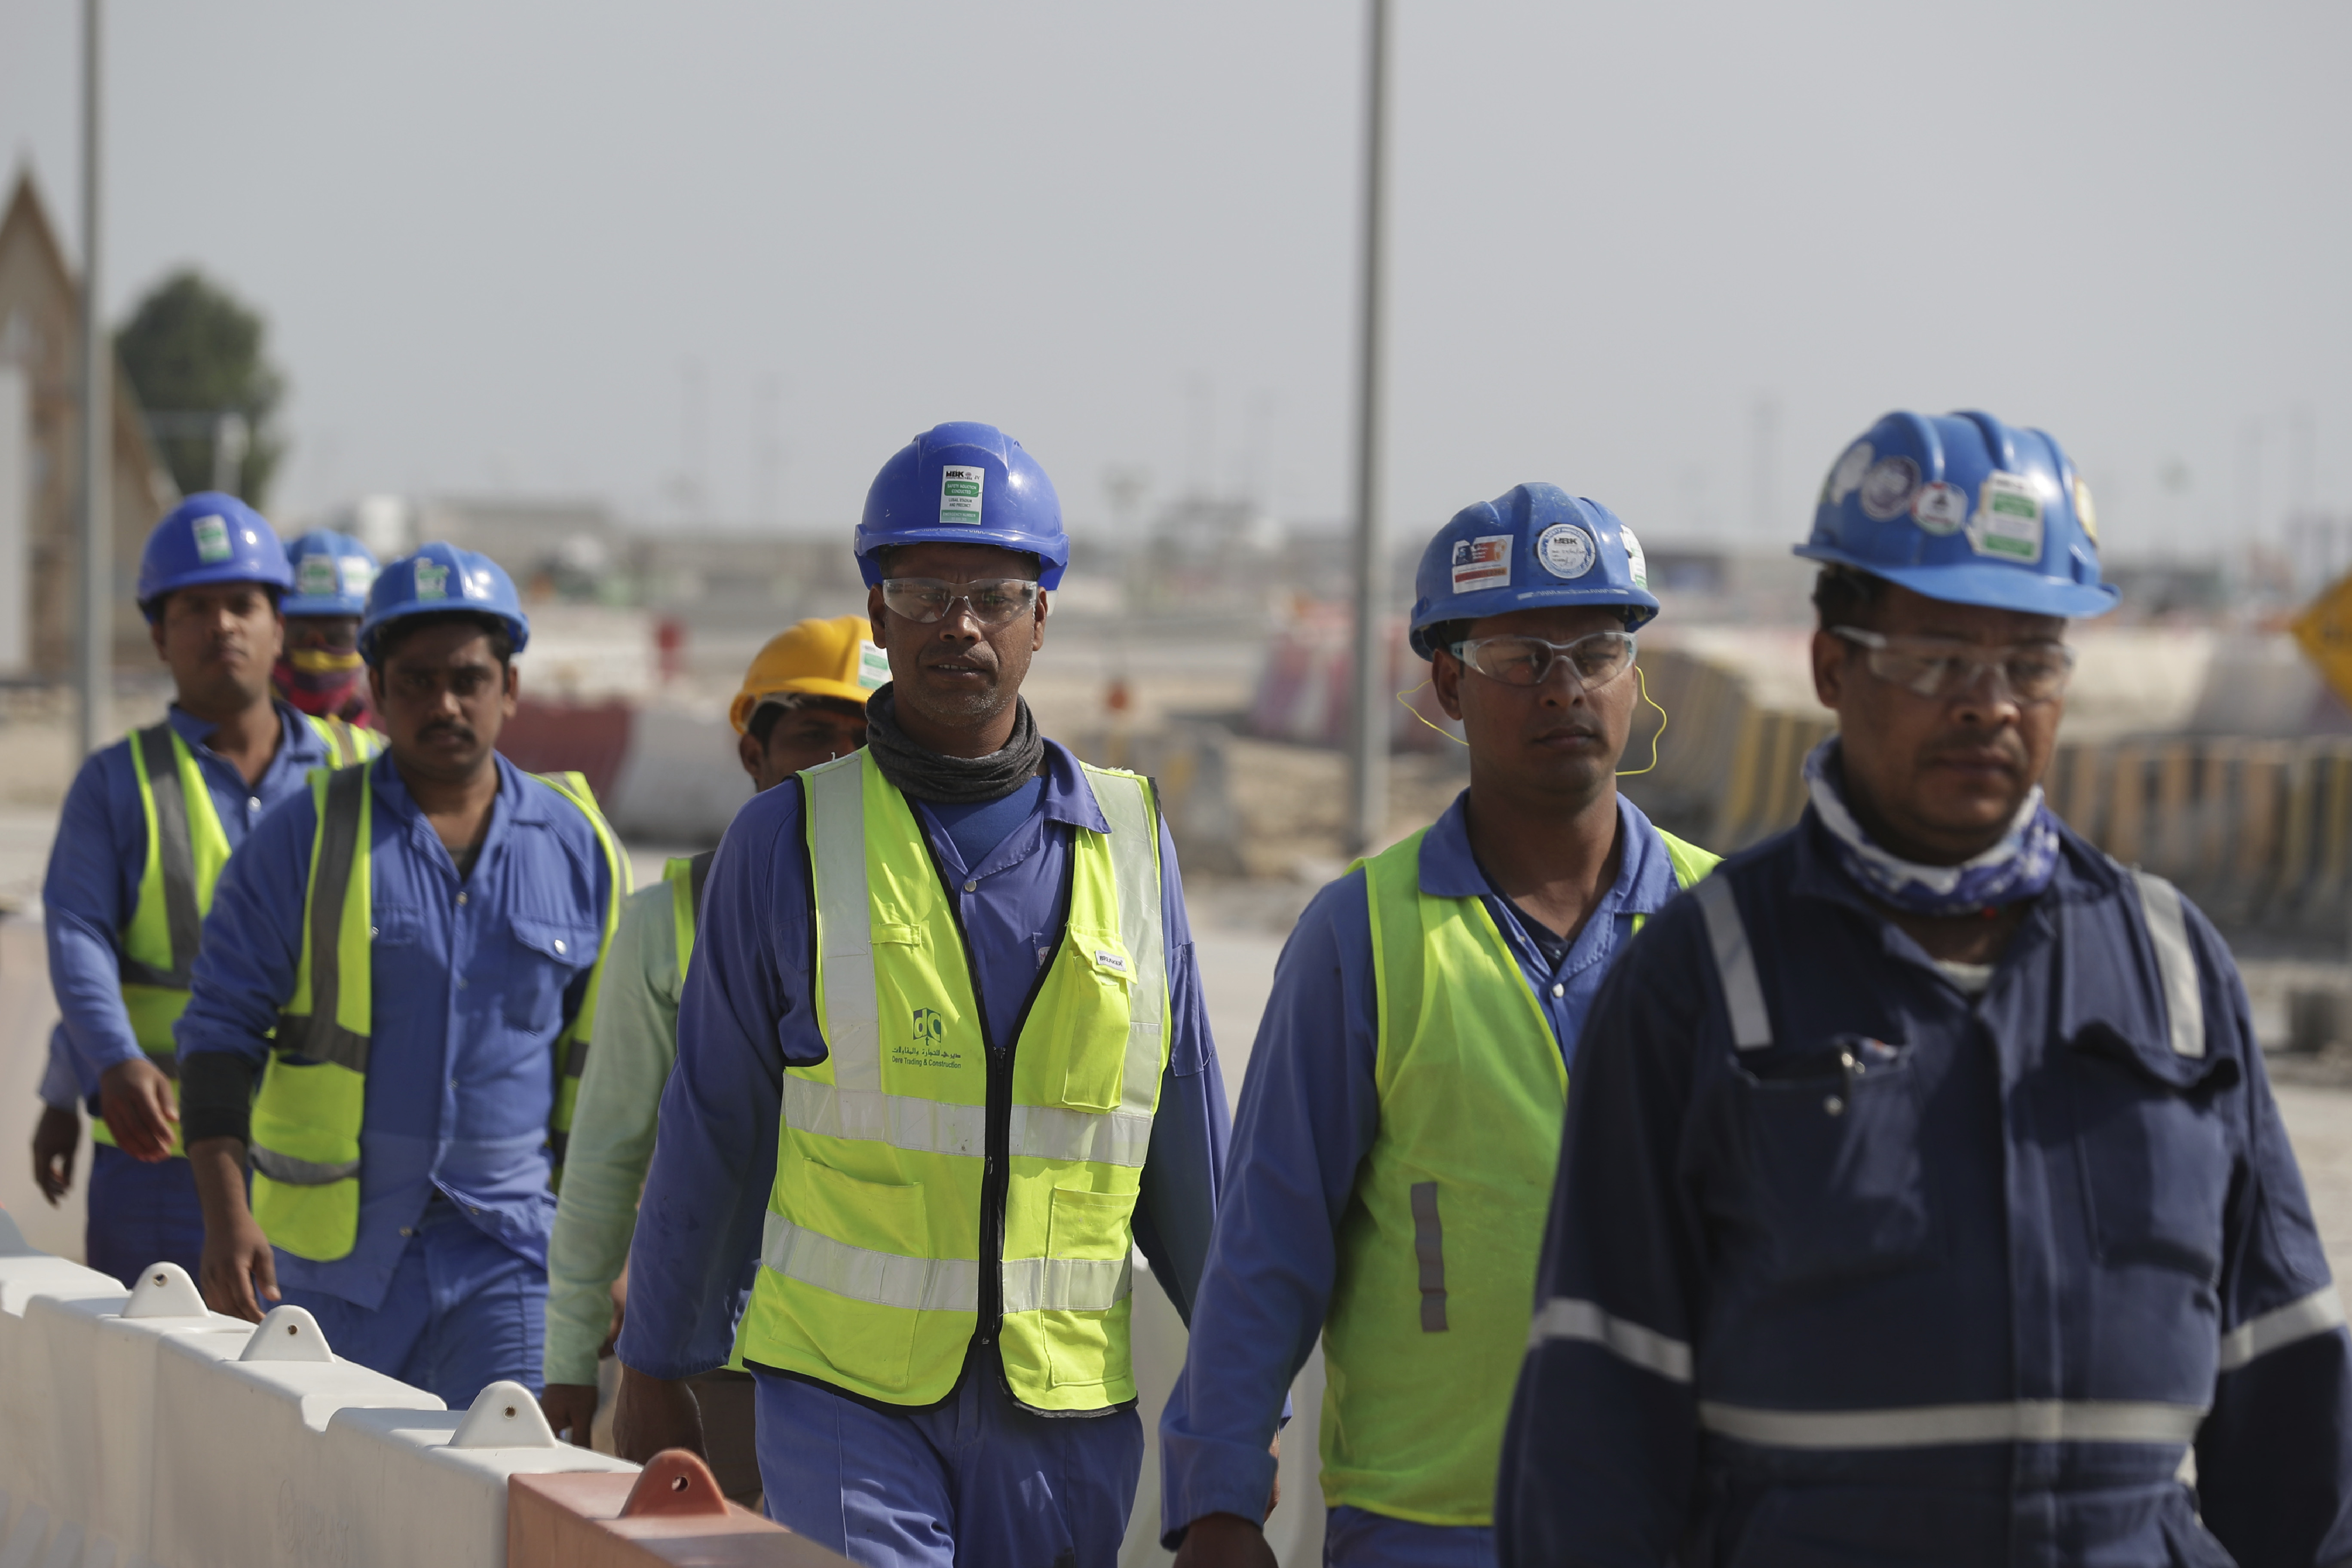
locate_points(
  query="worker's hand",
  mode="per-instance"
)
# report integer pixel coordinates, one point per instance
(570, 1407)
(1224, 1541)
(651, 1413)
(240, 1270)
(135, 1099)
(55, 1138)
(1273, 1497)
(620, 1316)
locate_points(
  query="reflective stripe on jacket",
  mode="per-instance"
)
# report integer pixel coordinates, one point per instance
(932, 1186)
(1436, 1256)
(1847, 1264)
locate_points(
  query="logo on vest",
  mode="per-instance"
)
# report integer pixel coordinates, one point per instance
(929, 1047)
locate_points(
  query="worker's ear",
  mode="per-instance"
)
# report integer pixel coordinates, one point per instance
(874, 615)
(1037, 623)
(1829, 668)
(751, 755)
(1445, 679)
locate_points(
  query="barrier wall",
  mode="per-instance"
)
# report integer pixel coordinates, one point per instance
(139, 1430)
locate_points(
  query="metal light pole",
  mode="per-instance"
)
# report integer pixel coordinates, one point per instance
(1369, 770)
(94, 650)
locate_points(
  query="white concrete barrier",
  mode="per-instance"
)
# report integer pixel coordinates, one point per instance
(139, 1430)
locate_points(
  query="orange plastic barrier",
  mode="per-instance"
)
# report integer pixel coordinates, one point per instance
(670, 1513)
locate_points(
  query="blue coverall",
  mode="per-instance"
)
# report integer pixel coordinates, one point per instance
(472, 980)
(1919, 1278)
(976, 1478)
(1309, 1113)
(140, 1214)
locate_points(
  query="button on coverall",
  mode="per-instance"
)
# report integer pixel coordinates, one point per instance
(1845, 1267)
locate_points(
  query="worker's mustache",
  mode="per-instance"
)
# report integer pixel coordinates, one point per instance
(447, 727)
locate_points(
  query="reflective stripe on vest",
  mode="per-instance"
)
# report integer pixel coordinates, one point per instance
(572, 1044)
(686, 876)
(346, 742)
(313, 1105)
(1437, 1252)
(186, 848)
(1937, 1425)
(931, 1190)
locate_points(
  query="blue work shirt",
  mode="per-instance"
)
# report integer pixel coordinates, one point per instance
(747, 1012)
(1311, 1109)
(100, 853)
(1898, 1274)
(471, 983)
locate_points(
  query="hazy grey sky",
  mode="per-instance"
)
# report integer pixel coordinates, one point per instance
(512, 247)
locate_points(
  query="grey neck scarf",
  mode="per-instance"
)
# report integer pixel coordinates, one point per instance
(925, 774)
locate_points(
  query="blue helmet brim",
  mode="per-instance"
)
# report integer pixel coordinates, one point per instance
(371, 632)
(1991, 586)
(1049, 568)
(1641, 602)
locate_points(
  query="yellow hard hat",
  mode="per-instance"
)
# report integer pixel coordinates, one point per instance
(820, 658)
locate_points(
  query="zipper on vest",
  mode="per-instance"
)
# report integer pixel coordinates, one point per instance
(996, 1173)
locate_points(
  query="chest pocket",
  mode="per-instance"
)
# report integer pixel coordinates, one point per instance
(2155, 1156)
(543, 957)
(1831, 1137)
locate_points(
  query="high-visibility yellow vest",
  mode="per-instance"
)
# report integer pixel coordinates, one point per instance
(930, 1190)
(312, 1105)
(685, 875)
(1435, 1287)
(186, 848)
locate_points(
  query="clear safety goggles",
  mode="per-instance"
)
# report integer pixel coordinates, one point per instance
(1594, 661)
(1943, 667)
(991, 601)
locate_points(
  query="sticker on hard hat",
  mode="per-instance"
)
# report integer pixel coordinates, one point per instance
(2084, 513)
(432, 580)
(212, 537)
(359, 575)
(1846, 478)
(1636, 563)
(959, 493)
(873, 666)
(1483, 562)
(316, 578)
(1888, 487)
(475, 584)
(1566, 550)
(1941, 508)
(2007, 522)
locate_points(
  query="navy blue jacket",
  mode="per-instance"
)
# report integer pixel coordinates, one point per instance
(1926, 1278)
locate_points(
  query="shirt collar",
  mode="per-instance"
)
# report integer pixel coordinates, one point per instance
(298, 744)
(1645, 873)
(1067, 796)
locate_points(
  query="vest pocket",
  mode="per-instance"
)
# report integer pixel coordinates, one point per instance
(1833, 1139)
(1090, 1012)
(1088, 1239)
(858, 1233)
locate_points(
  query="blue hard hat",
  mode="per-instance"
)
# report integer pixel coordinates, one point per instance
(1967, 510)
(436, 581)
(1532, 546)
(964, 484)
(209, 538)
(333, 574)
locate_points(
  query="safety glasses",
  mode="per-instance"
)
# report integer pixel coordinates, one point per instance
(1594, 661)
(1943, 667)
(992, 602)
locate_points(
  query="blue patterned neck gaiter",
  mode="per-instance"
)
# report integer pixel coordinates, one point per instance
(2019, 867)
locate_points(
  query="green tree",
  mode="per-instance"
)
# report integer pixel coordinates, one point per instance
(193, 352)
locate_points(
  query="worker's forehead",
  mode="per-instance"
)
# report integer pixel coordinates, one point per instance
(443, 648)
(1555, 623)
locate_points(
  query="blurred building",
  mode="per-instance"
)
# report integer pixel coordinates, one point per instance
(40, 457)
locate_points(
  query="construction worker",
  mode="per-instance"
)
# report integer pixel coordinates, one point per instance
(321, 670)
(147, 826)
(1923, 1199)
(400, 959)
(945, 993)
(1401, 1119)
(802, 702)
